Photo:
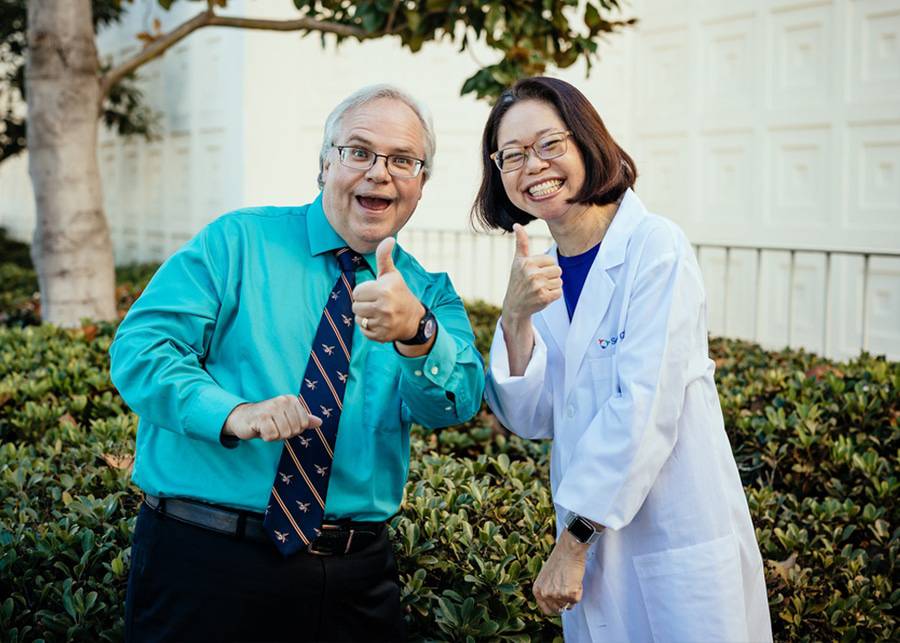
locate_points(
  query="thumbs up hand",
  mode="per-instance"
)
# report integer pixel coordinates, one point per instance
(385, 309)
(384, 258)
(534, 282)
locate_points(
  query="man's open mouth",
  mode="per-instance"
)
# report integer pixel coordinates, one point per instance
(373, 202)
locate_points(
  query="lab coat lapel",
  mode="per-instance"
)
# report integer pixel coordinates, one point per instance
(598, 286)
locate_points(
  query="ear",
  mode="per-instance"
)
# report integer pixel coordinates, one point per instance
(421, 187)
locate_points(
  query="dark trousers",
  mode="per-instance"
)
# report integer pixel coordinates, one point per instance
(190, 584)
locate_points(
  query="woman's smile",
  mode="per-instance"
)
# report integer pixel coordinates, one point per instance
(545, 189)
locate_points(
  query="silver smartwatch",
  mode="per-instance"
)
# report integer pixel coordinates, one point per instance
(582, 528)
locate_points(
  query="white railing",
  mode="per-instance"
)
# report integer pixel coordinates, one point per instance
(832, 298)
(832, 301)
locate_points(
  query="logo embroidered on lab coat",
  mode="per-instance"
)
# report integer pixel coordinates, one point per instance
(604, 343)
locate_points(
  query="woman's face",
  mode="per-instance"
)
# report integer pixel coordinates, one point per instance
(542, 188)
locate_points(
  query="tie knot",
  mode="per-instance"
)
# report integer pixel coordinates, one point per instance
(349, 260)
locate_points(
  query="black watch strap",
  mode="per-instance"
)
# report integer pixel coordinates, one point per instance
(426, 330)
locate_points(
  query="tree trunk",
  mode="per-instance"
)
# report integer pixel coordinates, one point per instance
(72, 250)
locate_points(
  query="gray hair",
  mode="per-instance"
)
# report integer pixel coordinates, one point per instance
(367, 95)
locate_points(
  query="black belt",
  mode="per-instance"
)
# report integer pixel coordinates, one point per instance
(336, 538)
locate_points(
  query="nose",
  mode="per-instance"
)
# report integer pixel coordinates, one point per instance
(534, 163)
(378, 172)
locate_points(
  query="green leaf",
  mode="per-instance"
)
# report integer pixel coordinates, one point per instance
(68, 601)
(592, 17)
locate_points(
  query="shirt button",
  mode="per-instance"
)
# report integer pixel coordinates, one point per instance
(570, 411)
(448, 408)
(434, 370)
(418, 373)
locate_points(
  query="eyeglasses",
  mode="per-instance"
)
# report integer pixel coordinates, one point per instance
(359, 158)
(547, 147)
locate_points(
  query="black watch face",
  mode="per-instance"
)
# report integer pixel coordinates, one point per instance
(581, 530)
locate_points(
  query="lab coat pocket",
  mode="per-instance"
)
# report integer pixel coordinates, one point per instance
(382, 378)
(603, 374)
(691, 593)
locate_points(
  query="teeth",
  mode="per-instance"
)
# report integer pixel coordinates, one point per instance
(545, 188)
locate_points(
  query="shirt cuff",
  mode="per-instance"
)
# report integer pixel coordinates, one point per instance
(207, 413)
(435, 366)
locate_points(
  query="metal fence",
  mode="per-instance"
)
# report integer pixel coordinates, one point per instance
(828, 292)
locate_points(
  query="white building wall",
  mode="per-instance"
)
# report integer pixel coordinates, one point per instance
(757, 123)
(157, 195)
(777, 124)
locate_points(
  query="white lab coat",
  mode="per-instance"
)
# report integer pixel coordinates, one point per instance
(626, 392)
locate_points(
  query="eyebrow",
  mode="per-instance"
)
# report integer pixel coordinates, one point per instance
(539, 134)
(362, 140)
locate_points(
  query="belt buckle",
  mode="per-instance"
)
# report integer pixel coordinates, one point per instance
(313, 547)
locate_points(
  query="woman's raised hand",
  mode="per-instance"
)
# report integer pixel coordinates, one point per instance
(534, 282)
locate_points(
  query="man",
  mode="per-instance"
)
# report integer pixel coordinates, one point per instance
(276, 362)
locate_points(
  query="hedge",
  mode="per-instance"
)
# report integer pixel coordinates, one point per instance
(817, 443)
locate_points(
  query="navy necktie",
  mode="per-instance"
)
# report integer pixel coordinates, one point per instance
(297, 502)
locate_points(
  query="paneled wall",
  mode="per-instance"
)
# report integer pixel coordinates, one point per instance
(775, 124)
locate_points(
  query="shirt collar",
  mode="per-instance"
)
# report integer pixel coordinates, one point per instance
(323, 238)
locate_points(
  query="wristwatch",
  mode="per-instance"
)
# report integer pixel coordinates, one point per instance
(427, 329)
(582, 528)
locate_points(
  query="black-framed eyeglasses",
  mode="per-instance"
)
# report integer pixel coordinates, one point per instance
(359, 158)
(549, 146)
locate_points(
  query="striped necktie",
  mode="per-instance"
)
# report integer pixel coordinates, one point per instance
(297, 502)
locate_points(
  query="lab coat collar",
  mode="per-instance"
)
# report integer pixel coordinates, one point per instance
(573, 339)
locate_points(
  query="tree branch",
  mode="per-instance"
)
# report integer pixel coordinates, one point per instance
(208, 19)
(291, 25)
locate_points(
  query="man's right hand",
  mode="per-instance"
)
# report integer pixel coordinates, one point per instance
(279, 418)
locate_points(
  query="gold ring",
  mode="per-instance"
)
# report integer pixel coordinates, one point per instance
(364, 322)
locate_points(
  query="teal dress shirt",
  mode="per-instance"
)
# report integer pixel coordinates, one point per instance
(229, 319)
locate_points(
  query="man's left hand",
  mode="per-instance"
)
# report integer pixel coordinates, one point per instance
(385, 309)
(559, 584)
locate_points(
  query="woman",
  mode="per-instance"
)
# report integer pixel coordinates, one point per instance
(602, 346)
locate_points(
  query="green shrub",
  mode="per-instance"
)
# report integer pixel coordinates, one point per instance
(20, 301)
(484, 320)
(14, 252)
(470, 539)
(816, 443)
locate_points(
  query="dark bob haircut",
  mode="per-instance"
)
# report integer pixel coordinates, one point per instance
(608, 170)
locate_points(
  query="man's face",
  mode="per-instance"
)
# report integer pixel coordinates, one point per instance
(366, 206)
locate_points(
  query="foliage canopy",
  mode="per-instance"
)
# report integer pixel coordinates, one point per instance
(529, 35)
